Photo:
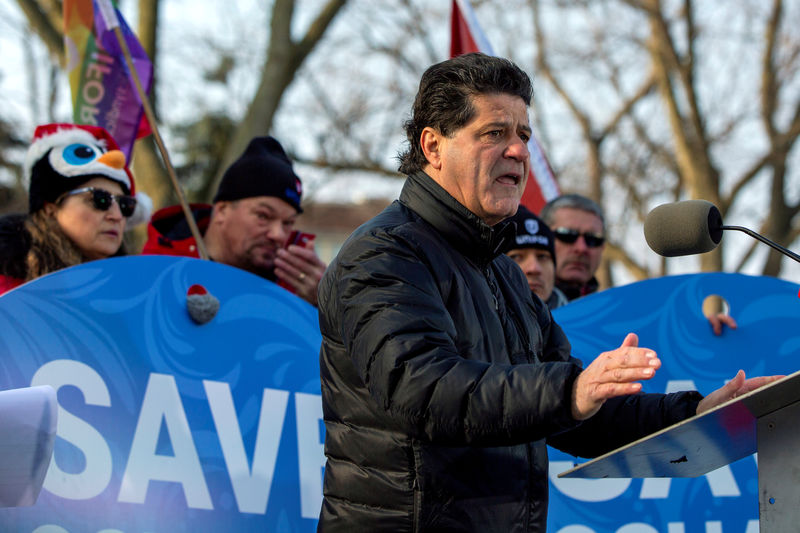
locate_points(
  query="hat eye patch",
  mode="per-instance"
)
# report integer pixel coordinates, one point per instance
(79, 154)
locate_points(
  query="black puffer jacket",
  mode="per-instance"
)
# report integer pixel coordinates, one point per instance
(15, 241)
(442, 378)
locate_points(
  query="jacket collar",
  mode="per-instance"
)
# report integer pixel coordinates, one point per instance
(576, 290)
(461, 227)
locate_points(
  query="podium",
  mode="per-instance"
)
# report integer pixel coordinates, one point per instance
(766, 420)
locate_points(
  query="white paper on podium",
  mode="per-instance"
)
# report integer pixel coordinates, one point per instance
(27, 435)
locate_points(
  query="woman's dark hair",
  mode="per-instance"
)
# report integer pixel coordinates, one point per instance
(50, 248)
(444, 98)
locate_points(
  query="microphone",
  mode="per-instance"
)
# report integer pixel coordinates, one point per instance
(692, 227)
(683, 228)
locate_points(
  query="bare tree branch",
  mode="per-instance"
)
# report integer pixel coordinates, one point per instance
(614, 252)
(284, 58)
(41, 23)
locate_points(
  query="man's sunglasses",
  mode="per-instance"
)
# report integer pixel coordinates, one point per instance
(569, 236)
(102, 200)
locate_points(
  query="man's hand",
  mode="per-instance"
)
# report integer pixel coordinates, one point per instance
(732, 389)
(613, 373)
(720, 319)
(301, 268)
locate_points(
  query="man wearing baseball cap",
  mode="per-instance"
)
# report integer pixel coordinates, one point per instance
(250, 222)
(533, 249)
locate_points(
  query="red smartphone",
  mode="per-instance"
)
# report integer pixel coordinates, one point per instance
(299, 237)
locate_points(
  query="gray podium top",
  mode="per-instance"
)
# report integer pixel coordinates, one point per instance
(699, 444)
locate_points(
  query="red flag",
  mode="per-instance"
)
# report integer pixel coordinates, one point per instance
(466, 36)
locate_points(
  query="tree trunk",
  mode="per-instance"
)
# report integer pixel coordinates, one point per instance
(284, 58)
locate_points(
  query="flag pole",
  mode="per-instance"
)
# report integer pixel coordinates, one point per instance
(108, 13)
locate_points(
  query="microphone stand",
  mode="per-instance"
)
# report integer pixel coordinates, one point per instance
(766, 241)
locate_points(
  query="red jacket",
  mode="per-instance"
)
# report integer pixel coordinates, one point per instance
(168, 232)
(7, 283)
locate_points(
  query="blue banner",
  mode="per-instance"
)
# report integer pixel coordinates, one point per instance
(666, 314)
(165, 425)
(170, 426)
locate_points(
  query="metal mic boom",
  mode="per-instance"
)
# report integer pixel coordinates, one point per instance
(776, 246)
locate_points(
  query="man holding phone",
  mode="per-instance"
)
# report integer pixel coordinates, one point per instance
(250, 226)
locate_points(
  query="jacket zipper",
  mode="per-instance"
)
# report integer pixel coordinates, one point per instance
(525, 341)
(416, 491)
(492, 287)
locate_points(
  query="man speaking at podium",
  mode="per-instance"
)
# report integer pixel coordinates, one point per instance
(443, 380)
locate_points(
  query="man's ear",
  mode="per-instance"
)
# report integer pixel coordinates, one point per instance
(49, 208)
(431, 143)
(220, 211)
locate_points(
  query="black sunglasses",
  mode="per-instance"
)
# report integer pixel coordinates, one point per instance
(569, 236)
(102, 200)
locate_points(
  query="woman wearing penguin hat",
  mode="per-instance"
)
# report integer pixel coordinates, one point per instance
(81, 198)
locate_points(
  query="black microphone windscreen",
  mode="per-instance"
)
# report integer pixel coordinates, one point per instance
(683, 228)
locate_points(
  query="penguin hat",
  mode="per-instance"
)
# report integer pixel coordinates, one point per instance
(63, 156)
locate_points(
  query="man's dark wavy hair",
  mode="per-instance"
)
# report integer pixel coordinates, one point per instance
(444, 98)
